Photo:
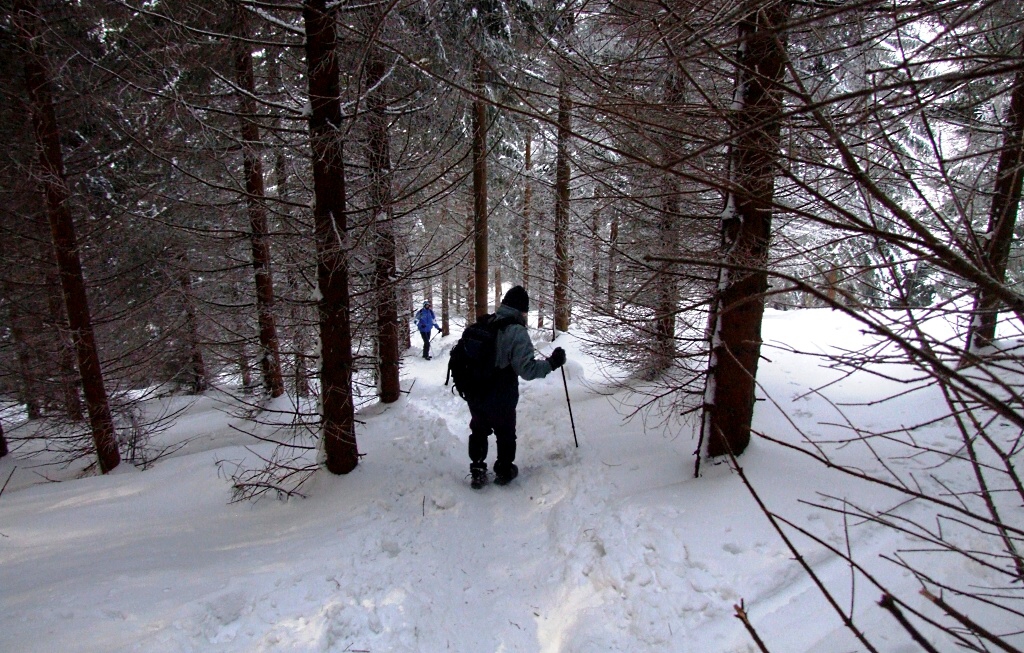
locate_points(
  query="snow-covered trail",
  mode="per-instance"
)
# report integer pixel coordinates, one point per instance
(611, 546)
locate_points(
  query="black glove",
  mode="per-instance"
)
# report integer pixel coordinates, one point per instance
(437, 327)
(557, 358)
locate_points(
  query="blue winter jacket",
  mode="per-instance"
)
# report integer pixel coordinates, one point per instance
(425, 320)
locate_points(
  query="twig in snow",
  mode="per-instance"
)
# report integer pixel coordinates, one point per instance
(741, 614)
(968, 623)
(847, 620)
(889, 604)
(9, 477)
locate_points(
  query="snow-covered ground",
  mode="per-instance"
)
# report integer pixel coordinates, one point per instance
(609, 547)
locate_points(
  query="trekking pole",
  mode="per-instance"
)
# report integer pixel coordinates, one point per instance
(569, 402)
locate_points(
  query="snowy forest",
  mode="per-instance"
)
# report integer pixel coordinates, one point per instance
(253, 197)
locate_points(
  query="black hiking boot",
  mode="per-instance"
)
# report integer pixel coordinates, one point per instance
(503, 475)
(478, 472)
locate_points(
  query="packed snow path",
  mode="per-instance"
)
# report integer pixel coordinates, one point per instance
(609, 547)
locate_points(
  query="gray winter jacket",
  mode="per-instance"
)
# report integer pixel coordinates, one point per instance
(515, 348)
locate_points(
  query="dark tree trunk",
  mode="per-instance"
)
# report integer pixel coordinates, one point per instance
(3, 442)
(26, 360)
(667, 286)
(297, 312)
(298, 317)
(379, 157)
(331, 223)
(595, 252)
(613, 263)
(527, 208)
(479, 193)
(445, 297)
(497, 287)
(563, 262)
(736, 326)
(197, 380)
(244, 370)
(65, 348)
(270, 356)
(62, 229)
(471, 296)
(1006, 197)
(404, 333)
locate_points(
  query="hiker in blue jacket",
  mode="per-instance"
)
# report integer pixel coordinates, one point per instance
(495, 411)
(426, 323)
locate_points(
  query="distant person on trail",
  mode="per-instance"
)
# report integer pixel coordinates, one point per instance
(495, 410)
(426, 323)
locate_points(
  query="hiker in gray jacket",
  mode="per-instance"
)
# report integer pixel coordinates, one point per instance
(495, 411)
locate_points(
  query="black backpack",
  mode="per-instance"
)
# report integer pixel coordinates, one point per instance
(471, 363)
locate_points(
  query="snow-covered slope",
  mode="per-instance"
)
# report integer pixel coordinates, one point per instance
(608, 547)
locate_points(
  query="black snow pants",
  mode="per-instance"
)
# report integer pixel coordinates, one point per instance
(495, 413)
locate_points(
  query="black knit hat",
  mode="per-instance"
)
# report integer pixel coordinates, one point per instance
(518, 299)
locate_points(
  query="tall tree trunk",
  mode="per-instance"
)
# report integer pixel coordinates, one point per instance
(297, 313)
(270, 356)
(668, 243)
(65, 348)
(198, 382)
(379, 157)
(1006, 196)
(445, 297)
(595, 252)
(613, 263)
(563, 262)
(746, 230)
(479, 191)
(406, 301)
(471, 294)
(244, 369)
(331, 224)
(24, 354)
(497, 287)
(527, 208)
(667, 288)
(44, 120)
(3, 442)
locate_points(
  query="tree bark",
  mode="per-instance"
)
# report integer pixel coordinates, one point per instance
(527, 208)
(1006, 196)
(497, 287)
(381, 202)
(479, 192)
(3, 442)
(563, 262)
(471, 295)
(62, 229)
(668, 243)
(23, 353)
(244, 369)
(270, 355)
(667, 286)
(595, 252)
(65, 348)
(198, 382)
(445, 297)
(297, 312)
(613, 263)
(736, 319)
(331, 224)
